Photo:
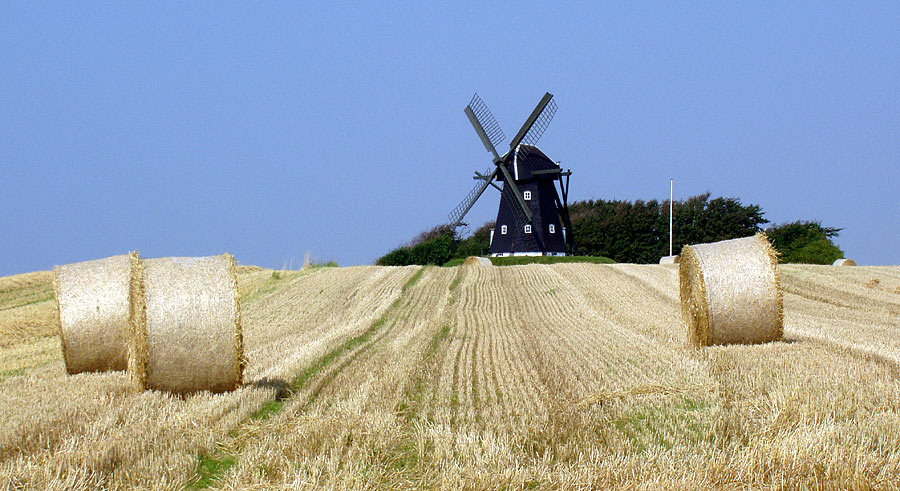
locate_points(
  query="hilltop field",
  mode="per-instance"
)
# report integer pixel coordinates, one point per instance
(563, 376)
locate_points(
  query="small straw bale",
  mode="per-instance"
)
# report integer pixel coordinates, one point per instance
(670, 259)
(92, 299)
(186, 325)
(478, 261)
(844, 262)
(730, 292)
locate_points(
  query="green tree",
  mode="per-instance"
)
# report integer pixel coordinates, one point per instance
(805, 242)
(434, 246)
(476, 244)
(436, 250)
(397, 257)
(638, 231)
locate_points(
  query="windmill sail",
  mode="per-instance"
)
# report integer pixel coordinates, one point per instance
(531, 217)
(456, 216)
(484, 123)
(491, 135)
(540, 124)
(535, 126)
(530, 122)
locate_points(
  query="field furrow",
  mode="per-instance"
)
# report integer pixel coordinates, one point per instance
(857, 309)
(98, 422)
(565, 376)
(360, 413)
(554, 376)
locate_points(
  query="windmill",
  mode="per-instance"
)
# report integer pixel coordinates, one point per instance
(533, 218)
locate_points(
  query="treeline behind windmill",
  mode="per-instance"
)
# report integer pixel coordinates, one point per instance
(638, 232)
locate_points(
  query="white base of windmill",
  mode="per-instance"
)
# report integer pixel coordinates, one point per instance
(529, 254)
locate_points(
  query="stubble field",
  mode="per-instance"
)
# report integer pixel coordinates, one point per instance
(566, 376)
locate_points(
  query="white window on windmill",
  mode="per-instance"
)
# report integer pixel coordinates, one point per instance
(552, 228)
(527, 229)
(527, 195)
(503, 229)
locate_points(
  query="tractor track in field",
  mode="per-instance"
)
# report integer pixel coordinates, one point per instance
(562, 376)
(358, 387)
(304, 388)
(379, 331)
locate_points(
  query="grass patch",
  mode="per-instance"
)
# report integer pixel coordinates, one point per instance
(272, 283)
(268, 409)
(311, 371)
(455, 282)
(210, 470)
(404, 456)
(519, 260)
(351, 344)
(300, 381)
(323, 264)
(27, 295)
(409, 283)
(653, 424)
(15, 372)
(436, 340)
(409, 407)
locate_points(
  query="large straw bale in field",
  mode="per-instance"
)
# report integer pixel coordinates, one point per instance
(670, 259)
(730, 291)
(92, 299)
(477, 261)
(186, 325)
(844, 262)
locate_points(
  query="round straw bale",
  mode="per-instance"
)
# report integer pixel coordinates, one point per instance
(844, 262)
(186, 325)
(730, 292)
(669, 259)
(93, 307)
(479, 261)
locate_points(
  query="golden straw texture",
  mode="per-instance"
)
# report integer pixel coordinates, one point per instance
(93, 304)
(670, 259)
(844, 262)
(186, 325)
(730, 292)
(478, 261)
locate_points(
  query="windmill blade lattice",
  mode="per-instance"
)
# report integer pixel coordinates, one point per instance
(491, 126)
(465, 205)
(537, 129)
(540, 124)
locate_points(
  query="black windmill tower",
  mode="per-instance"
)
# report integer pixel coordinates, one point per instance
(533, 218)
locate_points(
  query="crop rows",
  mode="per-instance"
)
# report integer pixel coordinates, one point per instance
(92, 430)
(551, 376)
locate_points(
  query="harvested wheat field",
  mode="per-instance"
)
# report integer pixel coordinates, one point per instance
(566, 376)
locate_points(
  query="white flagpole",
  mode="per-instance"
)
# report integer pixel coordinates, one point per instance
(671, 207)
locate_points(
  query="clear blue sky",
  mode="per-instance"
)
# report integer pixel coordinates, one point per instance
(269, 131)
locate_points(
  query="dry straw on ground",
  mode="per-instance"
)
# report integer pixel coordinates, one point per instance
(478, 261)
(186, 325)
(93, 304)
(730, 292)
(669, 259)
(844, 262)
(470, 380)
